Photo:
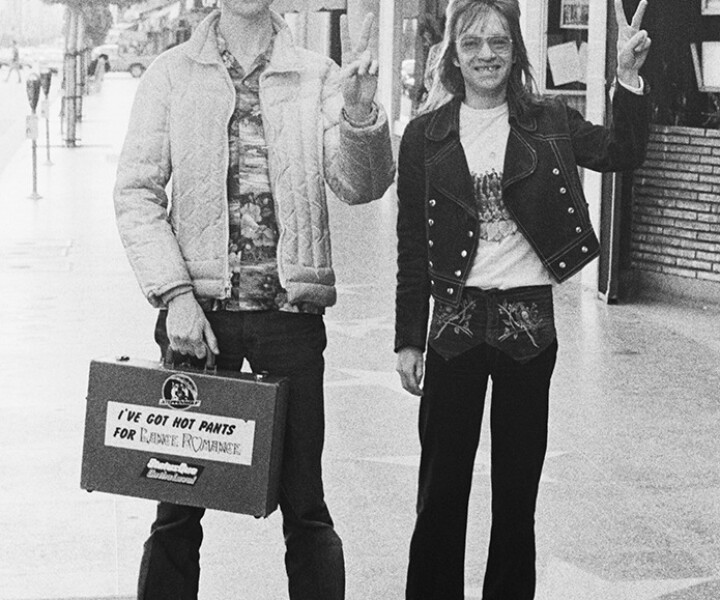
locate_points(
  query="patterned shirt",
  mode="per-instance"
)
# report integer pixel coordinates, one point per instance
(253, 232)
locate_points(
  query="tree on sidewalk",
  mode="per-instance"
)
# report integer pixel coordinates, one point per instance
(85, 20)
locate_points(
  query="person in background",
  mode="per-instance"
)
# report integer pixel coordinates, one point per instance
(432, 34)
(250, 128)
(14, 64)
(98, 68)
(491, 216)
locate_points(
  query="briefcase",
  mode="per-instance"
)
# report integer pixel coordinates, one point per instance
(188, 436)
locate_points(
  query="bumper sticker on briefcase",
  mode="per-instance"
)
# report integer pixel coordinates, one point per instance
(171, 471)
(147, 429)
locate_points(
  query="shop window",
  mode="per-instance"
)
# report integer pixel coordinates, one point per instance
(680, 68)
(409, 67)
(317, 31)
(567, 45)
(422, 29)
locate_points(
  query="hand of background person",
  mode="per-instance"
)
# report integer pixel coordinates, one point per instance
(187, 328)
(360, 76)
(633, 44)
(411, 367)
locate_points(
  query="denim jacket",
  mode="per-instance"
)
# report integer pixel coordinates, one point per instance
(438, 224)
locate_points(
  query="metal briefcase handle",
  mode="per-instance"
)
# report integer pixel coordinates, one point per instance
(170, 361)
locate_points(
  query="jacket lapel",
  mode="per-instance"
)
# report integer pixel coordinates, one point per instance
(446, 164)
(520, 157)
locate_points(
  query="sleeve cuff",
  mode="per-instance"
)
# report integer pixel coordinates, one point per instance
(639, 91)
(175, 292)
(371, 119)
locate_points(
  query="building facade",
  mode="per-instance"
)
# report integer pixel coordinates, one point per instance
(659, 227)
(29, 22)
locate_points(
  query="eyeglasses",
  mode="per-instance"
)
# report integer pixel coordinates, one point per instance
(498, 44)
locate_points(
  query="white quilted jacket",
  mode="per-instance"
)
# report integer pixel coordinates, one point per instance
(178, 133)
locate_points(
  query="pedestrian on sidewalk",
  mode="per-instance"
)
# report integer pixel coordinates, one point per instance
(251, 128)
(14, 64)
(98, 68)
(491, 216)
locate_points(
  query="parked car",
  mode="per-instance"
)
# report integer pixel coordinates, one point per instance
(35, 58)
(45, 56)
(121, 58)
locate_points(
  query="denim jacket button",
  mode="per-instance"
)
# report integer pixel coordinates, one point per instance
(556, 171)
(578, 230)
(562, 265)
(430, 264)
(458, 273)
(571, 211)
(430, 243)
(563, 190)
(450, 291)
(432, 202)
(431, 222)
(584, 249)
(471, 233)
(463, 253)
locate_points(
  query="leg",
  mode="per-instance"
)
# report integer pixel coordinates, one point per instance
(518, 423)
(170, 566)
(450, 417)
(292, 345)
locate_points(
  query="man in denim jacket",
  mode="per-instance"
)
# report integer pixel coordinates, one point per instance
(491, 216)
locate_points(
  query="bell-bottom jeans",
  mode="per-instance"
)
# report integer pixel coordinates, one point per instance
(451, 412)
(283, 344)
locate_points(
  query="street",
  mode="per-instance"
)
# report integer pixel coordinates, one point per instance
(628, 506)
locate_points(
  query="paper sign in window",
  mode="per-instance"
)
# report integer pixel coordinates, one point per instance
(565, 63)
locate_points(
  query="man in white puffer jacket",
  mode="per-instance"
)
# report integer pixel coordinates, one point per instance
(249, 129)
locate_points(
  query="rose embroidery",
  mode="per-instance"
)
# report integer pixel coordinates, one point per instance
(458, 319)
(519, 319)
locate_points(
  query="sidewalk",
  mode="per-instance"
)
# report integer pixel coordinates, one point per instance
(629, 506)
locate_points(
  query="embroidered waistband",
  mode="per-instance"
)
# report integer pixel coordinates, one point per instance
(518, 321)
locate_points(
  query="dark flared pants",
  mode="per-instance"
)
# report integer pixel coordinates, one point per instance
(451, 412)
(282, 344)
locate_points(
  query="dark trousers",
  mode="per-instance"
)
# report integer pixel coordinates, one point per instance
(282, 344)
(451, 412)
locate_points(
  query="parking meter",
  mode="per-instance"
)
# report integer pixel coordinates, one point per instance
(33, 90)
(45, 80)
(31, 125)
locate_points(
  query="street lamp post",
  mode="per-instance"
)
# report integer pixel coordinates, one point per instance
(31, 126)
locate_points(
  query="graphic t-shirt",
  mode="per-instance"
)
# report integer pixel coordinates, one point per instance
(504, 258)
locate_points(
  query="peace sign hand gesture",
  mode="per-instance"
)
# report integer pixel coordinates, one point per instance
(633, 44)
(359, 77)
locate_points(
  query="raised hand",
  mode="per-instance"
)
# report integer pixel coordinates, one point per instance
(359, 76)
(633, 44)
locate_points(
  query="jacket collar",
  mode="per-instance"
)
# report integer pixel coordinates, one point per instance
(202, 46)
(446, 121)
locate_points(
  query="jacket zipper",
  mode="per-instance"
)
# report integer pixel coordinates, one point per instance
(227, 277)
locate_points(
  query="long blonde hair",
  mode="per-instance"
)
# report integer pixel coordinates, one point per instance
(448, 81)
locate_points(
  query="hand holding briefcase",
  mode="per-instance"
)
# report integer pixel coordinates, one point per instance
(187, 436)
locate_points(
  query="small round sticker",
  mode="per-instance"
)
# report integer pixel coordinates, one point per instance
(179, 392)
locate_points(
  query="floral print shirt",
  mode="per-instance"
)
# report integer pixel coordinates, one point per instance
(253, 232)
